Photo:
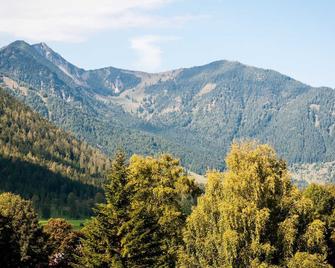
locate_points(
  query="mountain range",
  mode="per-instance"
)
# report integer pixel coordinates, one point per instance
(194, 113)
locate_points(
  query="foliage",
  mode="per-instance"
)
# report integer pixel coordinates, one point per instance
(140, 225)
(101, 246)
(306, 260)
(323, 214)
(21, 219)
(63, 243)
(203, 232)
(323, 198)
(23, 243)
(251, 215)
(9, 246)
(57, 230)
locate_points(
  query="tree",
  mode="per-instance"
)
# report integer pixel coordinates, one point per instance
(323, 198)
(63, 243)
(70, 249)
(203, 232)
(140, 224)
(57, 230)
(306, 260)
(160, 188)
(251, 215)
(9, 246)
(323, 214)
(102, 239)
(24, 222)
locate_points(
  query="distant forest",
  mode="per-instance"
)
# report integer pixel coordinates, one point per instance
(60, 174)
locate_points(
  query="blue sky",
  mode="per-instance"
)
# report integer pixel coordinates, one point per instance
(294, 37)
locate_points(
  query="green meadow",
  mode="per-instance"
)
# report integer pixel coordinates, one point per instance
(76, 224)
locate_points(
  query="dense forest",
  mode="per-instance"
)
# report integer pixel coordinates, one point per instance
(61, 174)
(155, 215)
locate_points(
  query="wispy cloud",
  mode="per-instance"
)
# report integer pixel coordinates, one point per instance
(148, 51)
(75, 20)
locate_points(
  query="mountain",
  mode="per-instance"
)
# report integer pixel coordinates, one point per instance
(194, 113)
(319, 173)
(59, 173)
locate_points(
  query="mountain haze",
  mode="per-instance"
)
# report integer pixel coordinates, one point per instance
(194, 113)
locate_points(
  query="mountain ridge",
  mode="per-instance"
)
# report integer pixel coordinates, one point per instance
(194, 113)
(43, 44)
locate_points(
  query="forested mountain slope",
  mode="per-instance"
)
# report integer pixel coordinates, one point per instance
(194, 113)
(59, 173)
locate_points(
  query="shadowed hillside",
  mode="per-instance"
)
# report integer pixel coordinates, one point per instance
(41, 162)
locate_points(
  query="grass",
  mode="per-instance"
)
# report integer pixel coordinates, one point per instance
(76, 224)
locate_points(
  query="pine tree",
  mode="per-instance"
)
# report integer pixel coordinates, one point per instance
(102, 243)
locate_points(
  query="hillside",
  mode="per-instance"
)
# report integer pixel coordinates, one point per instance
(59, 173)
(319, 173)
(194, 113)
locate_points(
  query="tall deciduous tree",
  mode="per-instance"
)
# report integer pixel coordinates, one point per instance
(251, 216)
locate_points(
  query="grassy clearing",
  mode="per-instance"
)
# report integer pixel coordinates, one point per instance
(76, 224)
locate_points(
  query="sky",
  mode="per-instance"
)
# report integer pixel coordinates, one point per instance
(294, 37)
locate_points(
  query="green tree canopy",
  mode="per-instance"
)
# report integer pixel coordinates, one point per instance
(252, 216)
(307, 260)
(9, 246)
(141, 223)
(63, 243)
(22, 219)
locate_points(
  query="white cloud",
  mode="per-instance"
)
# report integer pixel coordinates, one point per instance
(148, 51)
(75, 20)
